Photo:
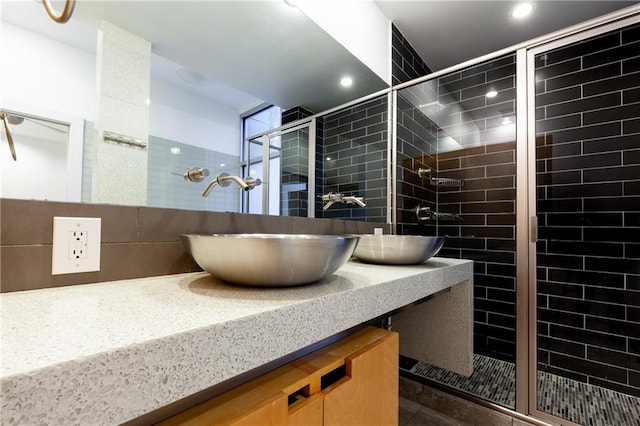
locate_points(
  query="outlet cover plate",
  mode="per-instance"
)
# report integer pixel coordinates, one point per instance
(76, 245)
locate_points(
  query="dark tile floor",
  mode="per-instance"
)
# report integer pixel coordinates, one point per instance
(581, 403)
(415, 414)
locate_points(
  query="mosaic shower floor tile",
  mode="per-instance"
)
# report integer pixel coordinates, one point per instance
(494, 380)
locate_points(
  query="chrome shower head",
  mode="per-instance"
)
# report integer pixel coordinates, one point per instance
(15, 120)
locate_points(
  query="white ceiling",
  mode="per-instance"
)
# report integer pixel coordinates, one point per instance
(267, 50)
(449, 32)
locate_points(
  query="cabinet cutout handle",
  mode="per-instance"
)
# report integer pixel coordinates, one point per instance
(332, 376)
(299, 395)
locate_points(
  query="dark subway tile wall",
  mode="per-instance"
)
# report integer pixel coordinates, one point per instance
(486, 200)
(588, 177)
(406, 64)
(486, 205)
(294, 166)
(294, 173)
(354, 160)
(294, 114)
(483, 158)
(416, 149)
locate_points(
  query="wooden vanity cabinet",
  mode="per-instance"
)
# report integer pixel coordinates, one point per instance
(353, 381)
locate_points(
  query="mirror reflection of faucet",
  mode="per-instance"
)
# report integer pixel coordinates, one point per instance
(425, 214)
(333, 197)
(224, 179)
(197, 174)
(438, 181)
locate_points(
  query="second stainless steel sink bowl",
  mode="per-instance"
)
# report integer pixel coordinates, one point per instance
(397, 249)
(270, 260)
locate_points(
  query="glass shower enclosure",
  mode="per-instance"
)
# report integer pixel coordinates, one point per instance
(529, 162)
(456, 177)
(280, 158)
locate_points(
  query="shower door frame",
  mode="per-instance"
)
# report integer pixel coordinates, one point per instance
(264, 139)
(526, 292)
(526, 226)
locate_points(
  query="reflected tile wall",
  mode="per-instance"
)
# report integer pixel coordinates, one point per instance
(168, 160)
(406, 64)
(355, 160)
(295, 165)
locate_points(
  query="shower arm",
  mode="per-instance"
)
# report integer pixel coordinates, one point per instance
(12, 147)
(64, 15)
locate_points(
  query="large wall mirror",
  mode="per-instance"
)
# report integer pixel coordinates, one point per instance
(212, 63)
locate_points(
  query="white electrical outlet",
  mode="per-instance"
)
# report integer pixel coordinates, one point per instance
(76, 245)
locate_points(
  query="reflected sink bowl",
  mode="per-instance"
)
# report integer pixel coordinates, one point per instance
(270, 260)
(397, 249)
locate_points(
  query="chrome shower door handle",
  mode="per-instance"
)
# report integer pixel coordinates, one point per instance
(533, 221)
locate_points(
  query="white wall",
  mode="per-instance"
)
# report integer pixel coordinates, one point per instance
(185, 117)
(46, 162)
(38, 71)
(52, 75)
(50, 79)
(369, 41)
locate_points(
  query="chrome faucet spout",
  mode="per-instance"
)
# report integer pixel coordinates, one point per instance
(228, 179)
(209, 188)
(252, 182)
(224, 179)
(354, 200)
(332, 198)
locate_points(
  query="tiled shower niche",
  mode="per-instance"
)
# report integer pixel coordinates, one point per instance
(467, 140)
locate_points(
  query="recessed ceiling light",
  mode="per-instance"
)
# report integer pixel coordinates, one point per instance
(522, 10)
(491, 94)
(346, 81)
(192, 77)
(175, 150)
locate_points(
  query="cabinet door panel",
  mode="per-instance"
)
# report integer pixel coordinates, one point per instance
(308, 413)
(273, 414)
(369, 395)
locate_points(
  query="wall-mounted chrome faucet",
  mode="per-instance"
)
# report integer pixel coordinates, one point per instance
(195, 174)
(438, 181)
(224, 179)
(332, 198)
(425, 214)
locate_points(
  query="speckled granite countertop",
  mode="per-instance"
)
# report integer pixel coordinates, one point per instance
(108, 352)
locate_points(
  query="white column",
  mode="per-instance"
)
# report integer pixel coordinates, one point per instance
(123, 66)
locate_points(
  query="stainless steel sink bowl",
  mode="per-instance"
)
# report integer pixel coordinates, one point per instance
(397, 249)
(270, 260)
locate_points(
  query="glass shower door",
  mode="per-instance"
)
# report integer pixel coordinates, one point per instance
(587, 135)
(284, 168)
(456, 177)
